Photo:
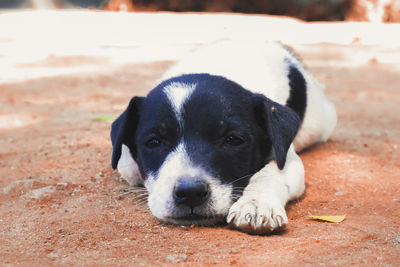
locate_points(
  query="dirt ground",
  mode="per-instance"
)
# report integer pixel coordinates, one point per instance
(62, 204)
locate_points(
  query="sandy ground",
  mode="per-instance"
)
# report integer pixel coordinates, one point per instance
(61, 203)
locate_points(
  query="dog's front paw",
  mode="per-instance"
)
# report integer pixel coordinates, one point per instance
(257, 217)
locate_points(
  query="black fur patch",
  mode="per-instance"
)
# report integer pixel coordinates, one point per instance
(298, 92)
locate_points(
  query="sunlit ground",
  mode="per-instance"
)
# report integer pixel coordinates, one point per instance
(32, 43)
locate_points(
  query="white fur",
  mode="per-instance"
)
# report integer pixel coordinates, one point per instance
(160, 186)
(177, 94)
(128, 168)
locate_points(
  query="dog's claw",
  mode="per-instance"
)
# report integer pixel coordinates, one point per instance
(230, 217)
(248, 217)
(261, 220)
(279, 220)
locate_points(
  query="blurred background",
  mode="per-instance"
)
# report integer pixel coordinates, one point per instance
(308, 10)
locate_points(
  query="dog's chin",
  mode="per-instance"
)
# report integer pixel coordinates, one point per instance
(194, 219)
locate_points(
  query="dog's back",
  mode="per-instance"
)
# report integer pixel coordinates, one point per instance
(267, 68)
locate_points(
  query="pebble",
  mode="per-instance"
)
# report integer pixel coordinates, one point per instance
(53, 255)
(176, 258)
(37, 193)
(61, 186)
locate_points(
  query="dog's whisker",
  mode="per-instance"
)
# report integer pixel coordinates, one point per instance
(134, 189)
(258, 190)
(139, 200)
(144, 196)
(142, 204)
(140, 193)
(133, 193)
(238, 188)
(136, 197)
(241, 178)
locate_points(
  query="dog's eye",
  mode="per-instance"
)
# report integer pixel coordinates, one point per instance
(233, 140)
(153, 142)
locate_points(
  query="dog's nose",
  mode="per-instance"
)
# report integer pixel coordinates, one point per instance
(191, 192)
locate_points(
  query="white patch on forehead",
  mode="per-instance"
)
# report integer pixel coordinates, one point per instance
(177, 94)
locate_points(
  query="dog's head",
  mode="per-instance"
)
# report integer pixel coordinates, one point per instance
(197, 139)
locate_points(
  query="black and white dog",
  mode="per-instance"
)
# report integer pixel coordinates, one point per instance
(216, 138)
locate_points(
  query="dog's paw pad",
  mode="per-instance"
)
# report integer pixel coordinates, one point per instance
(252, 216)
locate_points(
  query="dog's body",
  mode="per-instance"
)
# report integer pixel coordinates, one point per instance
(217, 137)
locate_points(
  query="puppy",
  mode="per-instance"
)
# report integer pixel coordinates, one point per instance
(216, 139)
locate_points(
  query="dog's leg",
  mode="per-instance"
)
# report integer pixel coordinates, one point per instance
(261, 209)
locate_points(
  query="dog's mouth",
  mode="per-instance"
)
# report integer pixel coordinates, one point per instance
(194, 219)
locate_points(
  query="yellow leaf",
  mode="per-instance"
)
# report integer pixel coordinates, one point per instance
(328, 218)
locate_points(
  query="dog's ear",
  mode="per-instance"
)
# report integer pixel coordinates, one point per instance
(123, 130)
(280, 122)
